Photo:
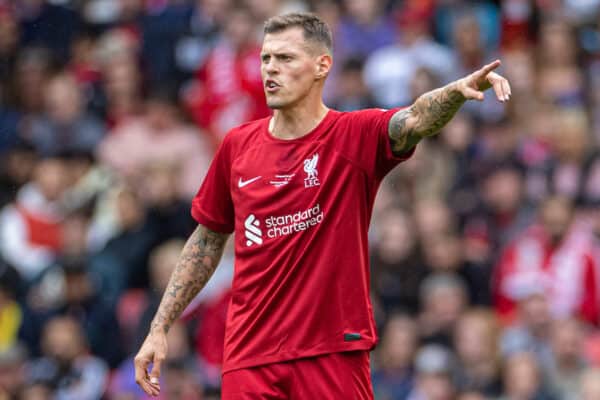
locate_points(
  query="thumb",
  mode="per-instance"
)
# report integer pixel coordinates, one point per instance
(155, 373)
(471, 93)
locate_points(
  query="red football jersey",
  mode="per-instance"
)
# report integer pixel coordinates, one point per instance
(300, 210)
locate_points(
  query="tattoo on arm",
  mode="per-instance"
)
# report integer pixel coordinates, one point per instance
(425, 117)
(197, 262)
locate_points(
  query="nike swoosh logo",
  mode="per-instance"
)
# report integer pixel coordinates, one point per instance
(242, 183)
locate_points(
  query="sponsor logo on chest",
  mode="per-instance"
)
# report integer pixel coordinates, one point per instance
(282, 225)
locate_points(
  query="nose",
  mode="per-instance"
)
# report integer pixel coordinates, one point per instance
(270, 67)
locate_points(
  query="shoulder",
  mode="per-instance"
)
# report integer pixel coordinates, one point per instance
(370, 116)
(244, 135)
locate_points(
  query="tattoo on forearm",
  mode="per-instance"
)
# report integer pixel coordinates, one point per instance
(197, 262)
(425, 117)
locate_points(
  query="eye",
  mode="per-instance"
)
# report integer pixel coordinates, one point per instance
(265, 58)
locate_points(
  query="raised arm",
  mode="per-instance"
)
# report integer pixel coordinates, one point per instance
(198, 261)
(431, 111)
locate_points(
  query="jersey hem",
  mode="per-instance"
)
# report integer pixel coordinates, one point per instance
(283, 357)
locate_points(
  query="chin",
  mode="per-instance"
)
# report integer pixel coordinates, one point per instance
(276, 104)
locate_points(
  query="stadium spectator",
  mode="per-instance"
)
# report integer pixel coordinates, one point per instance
(557, 254)
(64, 126)
(228, 88)
(165, 137)
(30, 234)
(12, 370)
(350, 90)
(564, 373)
(121, 85)
(529, 331)
(395, 263)
(590, 384)
(389, 70)
(476, 347)
(65, 365)
(69, 289)
(364, 29)
(434, 368)
(393, 375)
(443, 298)
(522, 379)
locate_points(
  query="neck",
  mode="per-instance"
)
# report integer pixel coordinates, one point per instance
(297, 121)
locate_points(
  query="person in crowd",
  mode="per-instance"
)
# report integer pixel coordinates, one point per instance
(558, 252)
(522, 379)
(165, 137)
(564, 373)
(228, 88)
(121, 85)
(12, 370)
(70, 289)
(395, 263)
(30, 227)
(364, 29)
(65, 365)
(529, 329)
(590, 384)
(443, 298)
(393, 374)
(64, 125)
(475, 342)
(434, 374)
(351, 91)
(389, 70)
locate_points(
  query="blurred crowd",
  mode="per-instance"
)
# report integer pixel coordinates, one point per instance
(485, 245)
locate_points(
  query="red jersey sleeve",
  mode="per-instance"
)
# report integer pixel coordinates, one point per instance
(212, 206)
(371, 141)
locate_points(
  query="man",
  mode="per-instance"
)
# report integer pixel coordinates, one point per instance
(298, 189)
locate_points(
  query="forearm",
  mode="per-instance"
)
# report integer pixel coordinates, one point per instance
(198, 261)
(425, 117)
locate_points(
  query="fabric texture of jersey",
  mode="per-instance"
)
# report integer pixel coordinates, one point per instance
(328, 377)
(300, 210)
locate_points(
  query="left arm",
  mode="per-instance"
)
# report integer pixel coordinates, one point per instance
(431, 111)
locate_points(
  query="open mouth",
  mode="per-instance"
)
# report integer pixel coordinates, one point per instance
(271, 85)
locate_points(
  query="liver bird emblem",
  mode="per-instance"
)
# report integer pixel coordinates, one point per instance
(310, 166)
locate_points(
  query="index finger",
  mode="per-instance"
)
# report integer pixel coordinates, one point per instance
(488, 68)
(141, 376)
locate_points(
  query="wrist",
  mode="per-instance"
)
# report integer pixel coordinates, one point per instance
(159, 328)
(456, 89)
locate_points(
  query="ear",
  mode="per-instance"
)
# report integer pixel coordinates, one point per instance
(323, 65)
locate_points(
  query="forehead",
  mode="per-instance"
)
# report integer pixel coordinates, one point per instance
(291, 39)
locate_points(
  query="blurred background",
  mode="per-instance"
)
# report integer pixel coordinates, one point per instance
(485, 245)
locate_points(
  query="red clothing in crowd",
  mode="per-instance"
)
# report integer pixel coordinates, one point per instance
(229, 91)
(566, 273)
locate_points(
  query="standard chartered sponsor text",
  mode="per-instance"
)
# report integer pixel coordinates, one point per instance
(291, 223)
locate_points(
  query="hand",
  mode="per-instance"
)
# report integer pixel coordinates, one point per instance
(154, 350)
(473, 86)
